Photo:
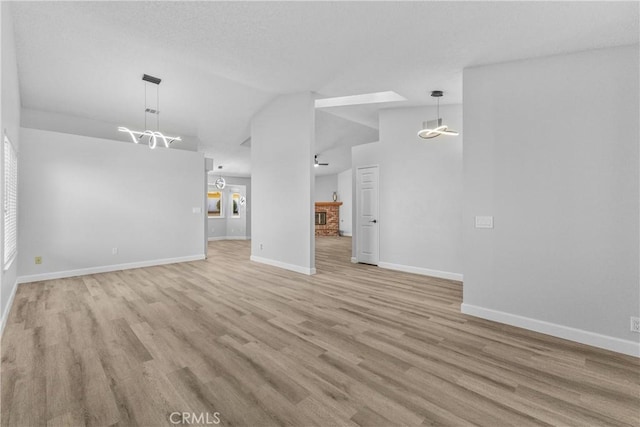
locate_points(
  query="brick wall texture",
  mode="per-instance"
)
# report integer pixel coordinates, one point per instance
(332, 227)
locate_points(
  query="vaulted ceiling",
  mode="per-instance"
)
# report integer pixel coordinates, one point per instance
(221, 62)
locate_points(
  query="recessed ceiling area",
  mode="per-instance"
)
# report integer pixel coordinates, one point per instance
(221, 62)
(362, 99)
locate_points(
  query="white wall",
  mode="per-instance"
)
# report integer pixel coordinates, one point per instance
(217, 228)
(325, 186)
(420, 192)
(282, 180)
(345, 196)
(552, 153)
(80, 197)
(9, 123)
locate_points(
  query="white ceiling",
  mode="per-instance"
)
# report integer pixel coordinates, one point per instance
(221, 62)
(335, 136)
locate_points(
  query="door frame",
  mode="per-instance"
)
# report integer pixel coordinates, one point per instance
(356, 229)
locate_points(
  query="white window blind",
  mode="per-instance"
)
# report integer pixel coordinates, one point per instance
(10, 202)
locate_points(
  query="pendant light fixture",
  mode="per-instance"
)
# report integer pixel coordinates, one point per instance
(433, 128)
(153, 136)
(220, 182)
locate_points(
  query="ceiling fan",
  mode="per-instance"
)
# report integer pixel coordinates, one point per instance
(316, 163)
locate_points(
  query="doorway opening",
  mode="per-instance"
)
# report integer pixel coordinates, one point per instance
(333, 200)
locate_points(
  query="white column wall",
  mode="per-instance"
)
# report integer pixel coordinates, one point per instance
(282, 178)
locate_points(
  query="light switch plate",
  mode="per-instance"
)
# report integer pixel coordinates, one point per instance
(484, 222)
(197, 210)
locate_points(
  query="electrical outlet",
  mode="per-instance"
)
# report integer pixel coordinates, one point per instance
(261, 246)
(38, 260)
(114, 251)
(635, 324)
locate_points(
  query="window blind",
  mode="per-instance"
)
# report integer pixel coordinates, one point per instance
(10, 202)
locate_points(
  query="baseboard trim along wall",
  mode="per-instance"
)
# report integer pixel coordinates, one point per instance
(280, 264)
(618, 345)
(354, 260)
(422, 271)
(214, 239)
(106, 268)
(5, 314)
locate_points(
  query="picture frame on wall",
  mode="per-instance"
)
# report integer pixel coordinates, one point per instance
(215, 205)
(236, 204)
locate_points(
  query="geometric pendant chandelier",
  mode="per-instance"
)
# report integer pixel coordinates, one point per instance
(152, 136)
(220, 183)
(434, 128)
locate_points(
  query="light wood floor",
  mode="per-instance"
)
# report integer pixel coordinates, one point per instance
(353, 345)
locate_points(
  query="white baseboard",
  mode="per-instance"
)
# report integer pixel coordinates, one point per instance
(106, 268)
(606, 342)
(346, 235)
(7, 309)
(286, 266)
(354, 260)
(214, 239)
(422, 271)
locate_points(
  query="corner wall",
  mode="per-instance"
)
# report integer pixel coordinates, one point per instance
(9, 124)
(80, 197)
(282, 143)
(420, 192)
(551, 152)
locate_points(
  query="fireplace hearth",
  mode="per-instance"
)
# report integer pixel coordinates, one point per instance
(328, 218)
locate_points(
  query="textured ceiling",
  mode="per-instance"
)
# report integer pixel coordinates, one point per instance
(223, 61)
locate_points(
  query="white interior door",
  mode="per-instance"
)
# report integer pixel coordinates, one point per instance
(367, 244)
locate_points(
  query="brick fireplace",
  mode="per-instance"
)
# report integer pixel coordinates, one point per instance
(329, 213)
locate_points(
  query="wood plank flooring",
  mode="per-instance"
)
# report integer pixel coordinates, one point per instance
(353, 345)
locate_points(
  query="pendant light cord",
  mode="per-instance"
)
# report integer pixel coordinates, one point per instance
(153, 136)
(145, 106)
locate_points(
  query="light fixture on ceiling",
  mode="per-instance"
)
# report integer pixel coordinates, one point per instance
(154, 135)
(220, 182)
(317, 163)
(433, 128)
